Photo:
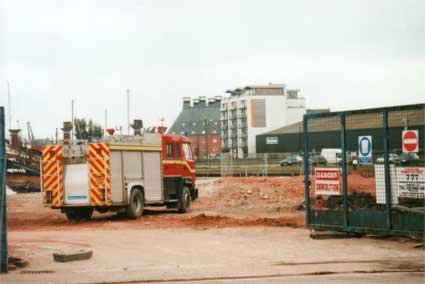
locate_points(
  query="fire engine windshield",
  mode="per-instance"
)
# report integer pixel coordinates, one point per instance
(187, 152)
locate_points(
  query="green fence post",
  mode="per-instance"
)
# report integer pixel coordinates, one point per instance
(387, 171)
(344, 172)
(3, 209)
(306, 173)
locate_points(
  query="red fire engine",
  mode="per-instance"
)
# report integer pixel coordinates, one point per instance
(120, 174)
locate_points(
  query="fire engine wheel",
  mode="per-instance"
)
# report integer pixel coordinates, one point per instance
(184, 202)
(79, 214)
(135, 204)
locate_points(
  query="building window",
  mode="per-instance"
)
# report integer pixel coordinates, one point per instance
(214, 131)
(184, 124)
(193, 132)
(194, 123)
(203, 131)
(215, 122)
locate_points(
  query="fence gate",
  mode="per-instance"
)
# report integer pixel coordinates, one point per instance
(371, 176)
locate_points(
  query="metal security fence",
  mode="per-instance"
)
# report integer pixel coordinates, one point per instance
(3, 209)
(264, 164)
(372, 175)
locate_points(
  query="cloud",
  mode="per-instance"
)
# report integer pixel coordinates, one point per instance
(341, 54)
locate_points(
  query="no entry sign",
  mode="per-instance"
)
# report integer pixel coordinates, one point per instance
(410, 141)
(327, 181)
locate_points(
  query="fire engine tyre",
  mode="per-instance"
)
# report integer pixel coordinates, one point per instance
(184, 202)
(79, 214)
(135, 204)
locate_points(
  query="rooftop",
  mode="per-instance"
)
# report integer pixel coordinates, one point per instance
(197, 116)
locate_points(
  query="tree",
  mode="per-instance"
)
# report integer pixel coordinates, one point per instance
(84, 130)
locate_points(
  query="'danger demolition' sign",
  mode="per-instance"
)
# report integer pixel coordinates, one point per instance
(327, 181)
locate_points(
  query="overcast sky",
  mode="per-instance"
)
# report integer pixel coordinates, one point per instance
(340, 54)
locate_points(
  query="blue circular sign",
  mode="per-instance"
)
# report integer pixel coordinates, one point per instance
(365, 146)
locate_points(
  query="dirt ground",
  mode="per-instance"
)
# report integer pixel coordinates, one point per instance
(241, 230)
(223, 202)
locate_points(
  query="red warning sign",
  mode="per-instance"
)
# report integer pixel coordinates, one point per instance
(410, 141)
(327, 181)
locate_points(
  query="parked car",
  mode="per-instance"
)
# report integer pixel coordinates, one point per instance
(317, 160)
(392, 158)
(407, 158)
(291, 160)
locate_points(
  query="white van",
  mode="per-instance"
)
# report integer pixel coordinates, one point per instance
(332, 155)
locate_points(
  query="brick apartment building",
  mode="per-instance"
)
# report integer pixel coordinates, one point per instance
(200, 121)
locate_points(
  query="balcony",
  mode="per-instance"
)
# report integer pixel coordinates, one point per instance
(242, 115)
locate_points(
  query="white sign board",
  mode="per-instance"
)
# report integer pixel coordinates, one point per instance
(365, 150)
(405, 182)
(410, 141)
(411, 182)
(380, 184)
(327, 181)
(272, 140)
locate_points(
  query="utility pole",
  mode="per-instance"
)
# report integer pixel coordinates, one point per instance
(128, 111)
(72, 120)
(8, 99)
(405, 121)
(106, 120)
(206, 136)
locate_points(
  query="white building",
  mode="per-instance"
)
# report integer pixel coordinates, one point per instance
(254, 110)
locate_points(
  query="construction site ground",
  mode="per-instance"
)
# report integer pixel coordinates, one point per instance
(241, 230)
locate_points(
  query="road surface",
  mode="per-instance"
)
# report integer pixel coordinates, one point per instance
(222, 255)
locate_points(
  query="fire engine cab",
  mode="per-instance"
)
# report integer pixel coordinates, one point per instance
(119, 174)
